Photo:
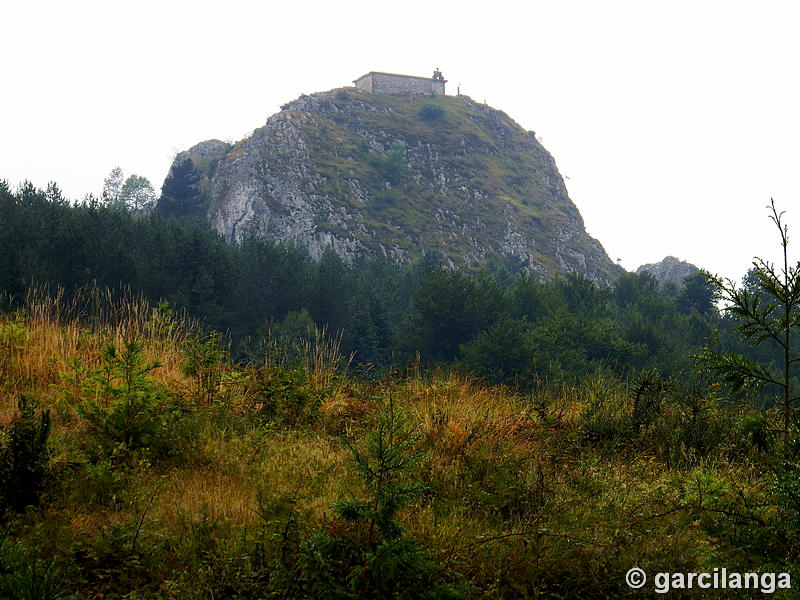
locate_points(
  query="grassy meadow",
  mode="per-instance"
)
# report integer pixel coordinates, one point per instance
(138, 461)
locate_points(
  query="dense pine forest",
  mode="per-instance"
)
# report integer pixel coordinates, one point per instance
(499, 324)
(186, 418)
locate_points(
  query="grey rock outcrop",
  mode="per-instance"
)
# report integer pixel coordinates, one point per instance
(400, 176)
(670, 269)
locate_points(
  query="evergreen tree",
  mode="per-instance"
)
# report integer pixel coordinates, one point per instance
(697, 294)
(24, 457)
(450, 308)
(767, 310)
(180, 194)
(331, 292)
(631, 288)
(363, 553)
(532, 299)
(500, 353)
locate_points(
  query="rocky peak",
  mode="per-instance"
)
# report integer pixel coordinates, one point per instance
(670, 269)
(400, 176)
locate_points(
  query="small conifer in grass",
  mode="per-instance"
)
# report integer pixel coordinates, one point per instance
(123, 397)
(203, 362)
(363, 553)
(24, 457)
(767, 312)
(387, 453)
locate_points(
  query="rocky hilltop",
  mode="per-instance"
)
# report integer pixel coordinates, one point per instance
(669, 270)
(399, 176)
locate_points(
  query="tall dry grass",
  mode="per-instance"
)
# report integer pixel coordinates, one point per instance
(319, 354)
(52, 332)
(509, 484)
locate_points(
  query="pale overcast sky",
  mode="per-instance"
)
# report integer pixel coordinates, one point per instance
(674, 123)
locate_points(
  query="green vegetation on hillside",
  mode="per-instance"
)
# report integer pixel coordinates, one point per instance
(386, 314)
(152, 466)
(239, 421)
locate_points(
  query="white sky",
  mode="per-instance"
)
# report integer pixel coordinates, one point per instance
(674, 123)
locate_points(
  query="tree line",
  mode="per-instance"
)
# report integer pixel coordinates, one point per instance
(506, 326)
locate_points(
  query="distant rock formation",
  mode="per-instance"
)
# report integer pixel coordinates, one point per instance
(670, 269)
(399, 175)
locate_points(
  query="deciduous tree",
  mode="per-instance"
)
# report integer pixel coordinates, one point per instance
(112, 186)
(137, 192)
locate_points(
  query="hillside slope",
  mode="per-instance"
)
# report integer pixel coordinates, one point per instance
(399, 176)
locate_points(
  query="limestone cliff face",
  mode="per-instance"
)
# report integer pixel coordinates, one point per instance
(400, 176)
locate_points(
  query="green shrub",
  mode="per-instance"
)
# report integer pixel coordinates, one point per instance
(606, 416)
(394, 163)
(753, 427)
(204, 363)
(24, 576)
(98, 483)
(24, 457)
(285, 395)
(71, 390)
(784, 486)
(214, 564)
(110, 564)
(13, 337)
(679, 426)
(692, 425)
(648, 396)
(431, 112)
